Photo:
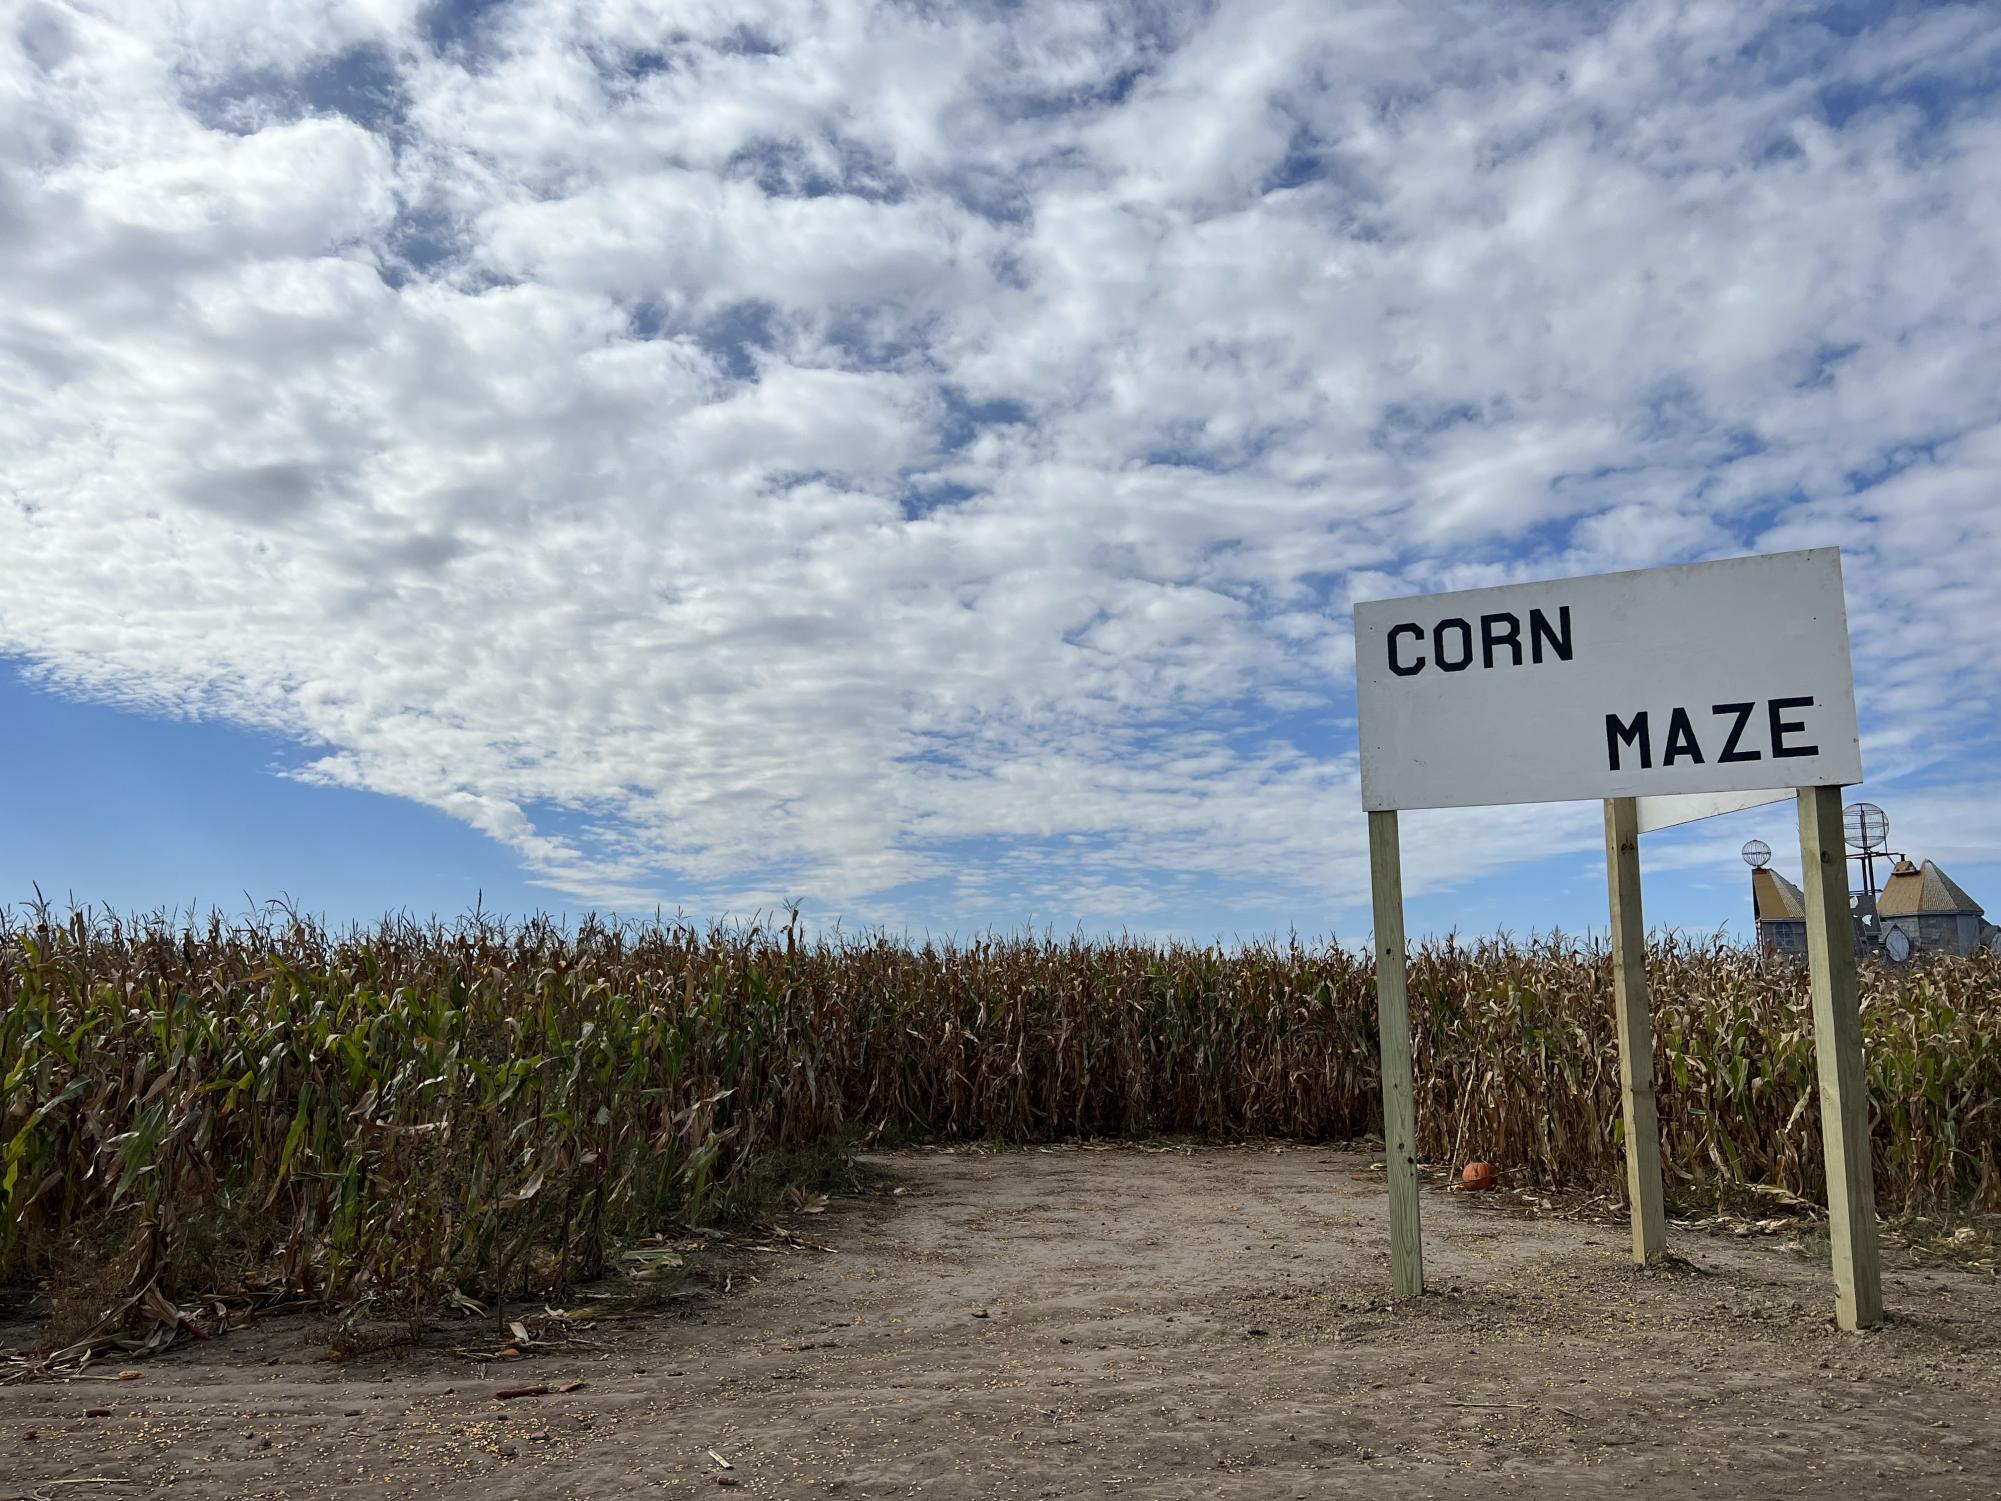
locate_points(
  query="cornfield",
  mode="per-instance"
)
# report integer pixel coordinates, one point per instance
(386, 1117)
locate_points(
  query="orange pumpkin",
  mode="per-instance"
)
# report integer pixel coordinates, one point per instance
(1478, 1177)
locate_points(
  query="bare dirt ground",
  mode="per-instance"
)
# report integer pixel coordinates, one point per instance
(1129, 1321)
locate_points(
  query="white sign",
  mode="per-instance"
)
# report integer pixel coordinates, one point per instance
(1714, 677)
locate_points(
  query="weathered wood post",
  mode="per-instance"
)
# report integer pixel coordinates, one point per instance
(1636, 1032)
(1393, 1031)
(1837, 1046)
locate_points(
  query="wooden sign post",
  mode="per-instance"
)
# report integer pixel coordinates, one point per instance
(1636, 1030)
(1837, 1050)
(1670, 694)
(1393, 1033)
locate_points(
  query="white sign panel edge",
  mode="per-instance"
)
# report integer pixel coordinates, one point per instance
(1692, 807)
(1719, 677)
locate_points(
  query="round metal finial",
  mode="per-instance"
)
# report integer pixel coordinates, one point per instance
(1866, 826)
(1757, 854)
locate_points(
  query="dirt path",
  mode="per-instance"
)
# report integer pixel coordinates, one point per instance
(1157, 1323)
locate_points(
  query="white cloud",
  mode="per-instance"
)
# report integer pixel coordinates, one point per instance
(806, 450)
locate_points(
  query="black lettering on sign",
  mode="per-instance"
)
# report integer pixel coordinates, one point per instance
(1743, 713)
(1500, 630)
(1499, 636)
(1681, 740)
(1682, 744)
(1618, 733)
(1540, 632)
(1465, 644)
(1782, 727)
(1396, 666)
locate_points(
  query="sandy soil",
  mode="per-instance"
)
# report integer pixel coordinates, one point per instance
(1144, 1323)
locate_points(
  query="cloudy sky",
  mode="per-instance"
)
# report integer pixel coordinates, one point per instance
(918, 459)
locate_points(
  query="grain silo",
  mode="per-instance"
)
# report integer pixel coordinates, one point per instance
(1931, 910)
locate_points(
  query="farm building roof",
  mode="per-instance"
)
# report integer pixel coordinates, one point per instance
(1912, 891)
(1774, 897)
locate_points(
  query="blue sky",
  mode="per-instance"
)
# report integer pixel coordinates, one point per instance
(918, 461)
